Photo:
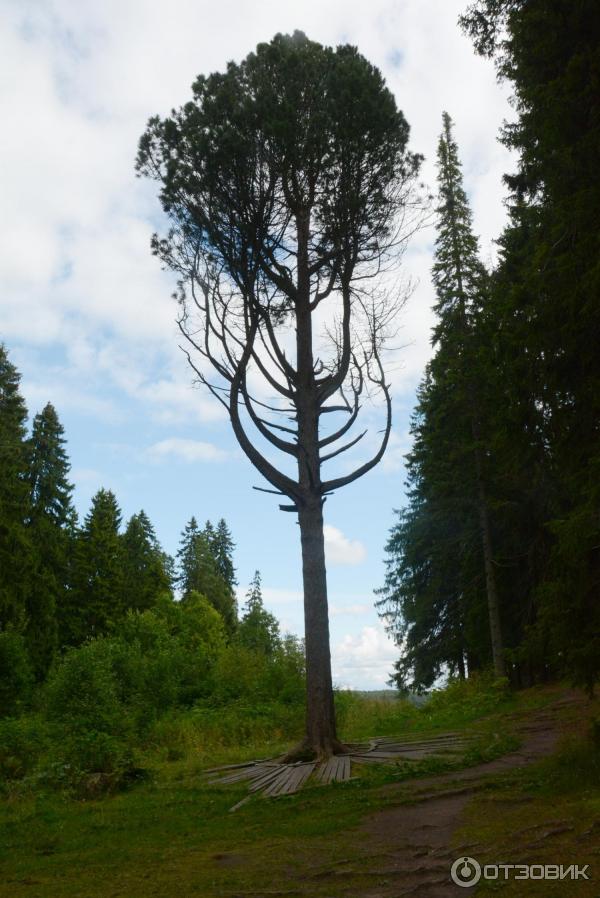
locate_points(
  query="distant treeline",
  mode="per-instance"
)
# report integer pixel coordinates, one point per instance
(109, 646)
(64, 582)
(496, 558)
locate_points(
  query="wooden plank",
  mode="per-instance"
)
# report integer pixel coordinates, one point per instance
(329, 771)
(229, 767)
(236, 766)
(302, 773)
(345, 772)
(238, 777)
(367, 759)
(339, 774)
(287, 785)
(240, 804)
(263, 781)
(281, 778)
(323, 771)
(383, 755)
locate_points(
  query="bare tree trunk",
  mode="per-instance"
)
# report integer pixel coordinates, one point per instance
(490, 576)
(321, 738)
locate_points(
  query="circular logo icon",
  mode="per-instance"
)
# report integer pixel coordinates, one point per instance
(465, 872)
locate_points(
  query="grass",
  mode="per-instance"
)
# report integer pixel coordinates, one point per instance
(172, 834)
(547, 813)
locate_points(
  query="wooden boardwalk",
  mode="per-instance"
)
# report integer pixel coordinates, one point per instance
(271, 777)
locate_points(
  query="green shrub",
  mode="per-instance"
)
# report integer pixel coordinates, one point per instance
(250, 676)
(83, 693)
(463, 700)
(23, 740)
(16, 675)
(94, 728)
(178, 648)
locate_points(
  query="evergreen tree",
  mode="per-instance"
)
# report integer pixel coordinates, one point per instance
(461, 286)
(209, 533)
(16, 558)
(223, 546)
(547, 317)
(187, 558)
(145, 573)
(50, 528)
(440, 554)
(258, 629)
(97, 602)
(199, 572)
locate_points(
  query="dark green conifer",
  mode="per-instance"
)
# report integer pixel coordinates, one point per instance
(223, 546)
(50, 527)
(441, 564)
(97, 601)
(145, 576)
(16, 556)
(258, 629)
(199, 572)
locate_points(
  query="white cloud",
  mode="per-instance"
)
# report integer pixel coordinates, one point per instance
(350, 610)
(365, 660)
(85, 78)
(186, 450)
(341, 550)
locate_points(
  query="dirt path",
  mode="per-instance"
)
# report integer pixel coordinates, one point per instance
(413, 841)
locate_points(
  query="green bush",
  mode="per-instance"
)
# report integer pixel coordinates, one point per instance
(23, 740)
(178, 646)
(252, 677)
(16, 675)
(94, 728)
(467, 699)
(83, 693)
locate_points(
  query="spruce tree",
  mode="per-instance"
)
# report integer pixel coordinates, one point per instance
(223, 546)
(50, 528)
(186, 562)
(440, 553)
(258, 629)
(461, 285)
(97, 601)
(16, 555)
(145, 575)
(199, 572)
(547, 315)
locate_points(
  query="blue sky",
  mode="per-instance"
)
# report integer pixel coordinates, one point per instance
(86, 312)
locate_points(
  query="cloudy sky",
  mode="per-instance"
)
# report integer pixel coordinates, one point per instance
(85, 310)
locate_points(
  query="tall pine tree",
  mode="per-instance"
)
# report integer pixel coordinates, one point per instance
(145, 576)
(440, 571)
(50, 525)
(96, 601)
(16, 556)
(223, 546)
(461, 284)
(199, 572)
(258, 629)
(547, 315)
